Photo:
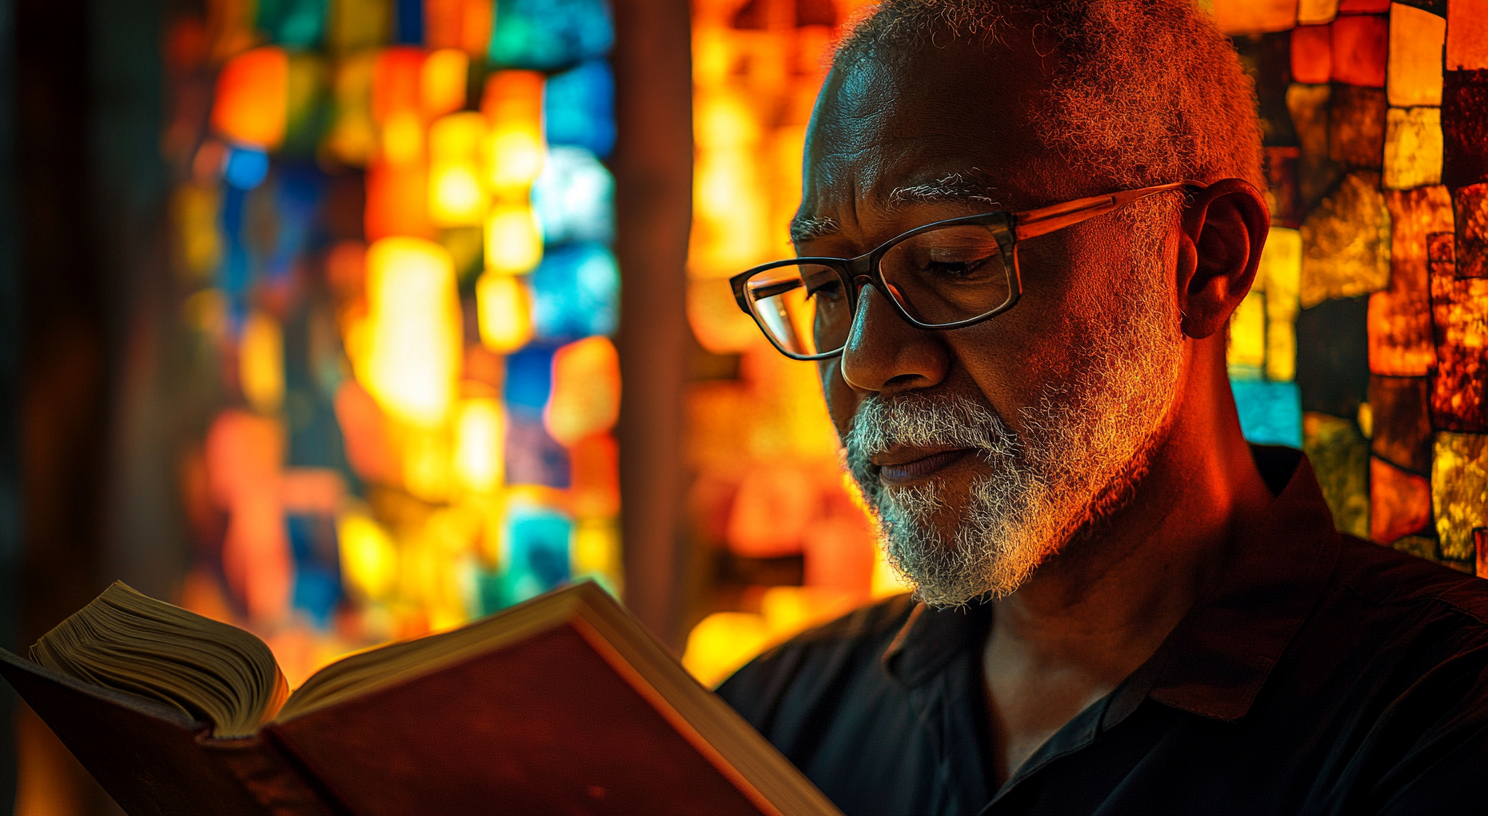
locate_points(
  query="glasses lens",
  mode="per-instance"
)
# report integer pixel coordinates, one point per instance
(949, 274)
(802, 307)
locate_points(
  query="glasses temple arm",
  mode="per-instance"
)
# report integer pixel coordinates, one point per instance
(1042, 221)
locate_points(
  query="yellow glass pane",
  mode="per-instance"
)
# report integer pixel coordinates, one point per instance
(1340, 456)
(1413, 147)
(1247, 350)
(514, 241)
(261, 363)
(1415, 68)
(1459, 490)
(413, 354)
(1346, 242)
(1281, 269)
(504, 311)
(1467, 34)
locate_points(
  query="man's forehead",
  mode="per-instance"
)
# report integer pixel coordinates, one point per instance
(937, 123)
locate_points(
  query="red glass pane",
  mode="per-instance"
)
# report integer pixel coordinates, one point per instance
(1312, 54)
(1459, 392)
(1399, 502)
(1361, 48)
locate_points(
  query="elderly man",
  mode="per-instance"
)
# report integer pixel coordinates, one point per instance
(1024, 227)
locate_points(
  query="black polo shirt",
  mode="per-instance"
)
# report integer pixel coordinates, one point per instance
(1324, 674)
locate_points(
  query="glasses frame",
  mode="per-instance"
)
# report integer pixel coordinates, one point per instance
(1016, 227)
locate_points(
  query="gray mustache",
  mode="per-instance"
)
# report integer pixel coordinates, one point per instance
(924, 420)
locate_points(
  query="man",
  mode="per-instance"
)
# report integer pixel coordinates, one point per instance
(1025, 226)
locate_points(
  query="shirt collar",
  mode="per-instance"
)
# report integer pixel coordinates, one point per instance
(1218, 657)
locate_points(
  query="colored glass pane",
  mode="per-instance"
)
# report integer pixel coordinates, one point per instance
(1312, 12)
(1415, 70)
(397, 82)
(245, 167)
(413, 325)
(397, 201)
(595, 491)
(1308, 106)
(1470, 205)
(576, 293)
(1270, 413)
(574, 198)
(529, 381)
(251, 104)
(513, 239)
(1361, 50)
(261, 363)
(1401, 426)
(533, 457)
(586, 390)
(1400, 340)
(1362, 6)
(512, 103)
(1413, 148)
(1247, 349)
(1400, 502)
(480, 433)
(504, 312)
(1252, 16)
(1340, 456)
(579, 108)
(1459, 490)
(352, 136)
(550, 34)
(1281, 271)
(456, 195)
(1356, 126)
(1467, 34)
(442, 81)
(295, 23)
(1346, 242)
(1459, 306)
(1312, 54)
(536, 553)
(359, 24)
(1465, 128)
(408, 21)
(462, 24)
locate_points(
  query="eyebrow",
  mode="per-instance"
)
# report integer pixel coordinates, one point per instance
(952, 187)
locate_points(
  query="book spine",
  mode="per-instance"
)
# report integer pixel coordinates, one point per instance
(269, 779)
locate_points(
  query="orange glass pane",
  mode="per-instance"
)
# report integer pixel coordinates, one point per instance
(1415, 63)
(442, 81)
(462, 24)
(1467, 34)
(1313, 12)
(1252, 16)
(1399, 502)
(586, 390)
(397, 82)
(397, 201)
(1400, 339)
(364, 428)
(594, 462)
(1312, 54)
(1361, 50)
(252, 102)
(512, 104)
(1400, 421)
(1459, 394)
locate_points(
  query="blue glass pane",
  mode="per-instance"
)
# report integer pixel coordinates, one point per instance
(579, 108)
(550, 34)
(575, 198)
(536, 553)
(317, 573)
(1270, 412)
(295, 23)
(529, 380)
(410, 22)
(533, 457)
(297, 195)
(245, 167)
(576, 293)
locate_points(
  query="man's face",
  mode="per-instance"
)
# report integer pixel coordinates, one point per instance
(983, 450)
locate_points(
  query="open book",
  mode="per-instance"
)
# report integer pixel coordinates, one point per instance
(564, 704)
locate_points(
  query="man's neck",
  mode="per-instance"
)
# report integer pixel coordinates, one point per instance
(1098, 610)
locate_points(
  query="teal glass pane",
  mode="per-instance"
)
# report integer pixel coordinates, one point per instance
(1270, 412)
(576, 293)
(550, 34)
(575, 198)
(536, 553)
(293, 23)
(579, 108)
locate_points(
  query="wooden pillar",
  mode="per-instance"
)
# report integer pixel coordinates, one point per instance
(653, 172)
(10, 381)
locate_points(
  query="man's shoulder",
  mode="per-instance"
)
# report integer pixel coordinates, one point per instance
(847, 645)
(1384, 577)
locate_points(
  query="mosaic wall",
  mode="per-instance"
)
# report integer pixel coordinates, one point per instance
(393, 224)
(1362, 342)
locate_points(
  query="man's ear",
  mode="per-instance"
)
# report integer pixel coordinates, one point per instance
(1224, 228)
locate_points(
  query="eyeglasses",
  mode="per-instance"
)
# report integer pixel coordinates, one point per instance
(946, 275)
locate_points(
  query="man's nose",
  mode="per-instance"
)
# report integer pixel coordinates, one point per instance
(884, 353)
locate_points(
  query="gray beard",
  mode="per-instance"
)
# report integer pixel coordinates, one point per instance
(1082, 446)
